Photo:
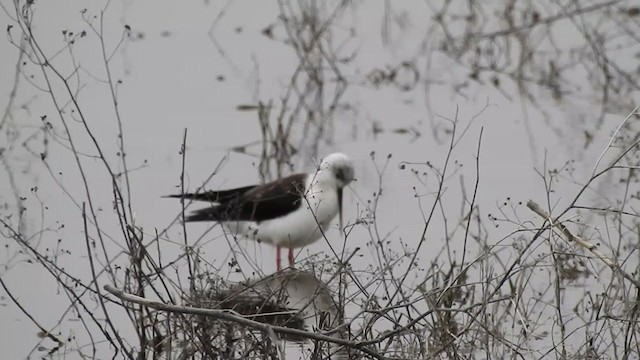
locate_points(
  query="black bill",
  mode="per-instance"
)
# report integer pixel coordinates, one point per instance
(340, 208)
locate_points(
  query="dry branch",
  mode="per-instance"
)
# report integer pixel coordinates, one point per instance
(558, 226)
(233, 316)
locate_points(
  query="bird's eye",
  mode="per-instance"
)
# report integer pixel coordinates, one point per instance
(339, 174)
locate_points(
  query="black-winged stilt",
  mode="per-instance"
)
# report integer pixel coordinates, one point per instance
(286, 213)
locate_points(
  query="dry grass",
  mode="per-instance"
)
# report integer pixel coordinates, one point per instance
(561, 284)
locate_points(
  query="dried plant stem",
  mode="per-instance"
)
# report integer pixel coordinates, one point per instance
(558, 226)
(231, 315)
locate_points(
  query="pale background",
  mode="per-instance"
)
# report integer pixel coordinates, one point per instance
(175, 78)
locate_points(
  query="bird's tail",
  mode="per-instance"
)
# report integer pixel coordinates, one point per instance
(207, 214)
(213, 213)
(191, 196)
(222, 196)
(221, 202)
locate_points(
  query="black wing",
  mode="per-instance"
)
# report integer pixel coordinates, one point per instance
(251, 203)
(222, 196)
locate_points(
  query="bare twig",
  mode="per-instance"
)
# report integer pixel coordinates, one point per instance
(233, 316)
(558, 226)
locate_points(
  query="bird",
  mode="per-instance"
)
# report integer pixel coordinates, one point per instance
(292, 298)
(291, 212)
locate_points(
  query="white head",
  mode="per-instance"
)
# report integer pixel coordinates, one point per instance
(339, 168)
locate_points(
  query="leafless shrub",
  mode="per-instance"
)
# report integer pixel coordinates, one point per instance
(483, 299)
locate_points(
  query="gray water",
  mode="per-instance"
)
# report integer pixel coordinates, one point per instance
(174, 77)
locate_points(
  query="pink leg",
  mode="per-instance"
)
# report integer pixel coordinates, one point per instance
(291, 258)
(278, 265)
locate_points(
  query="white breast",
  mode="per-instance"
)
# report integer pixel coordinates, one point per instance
(299, 228)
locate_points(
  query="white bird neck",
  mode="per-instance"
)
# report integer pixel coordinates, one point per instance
(324, 178)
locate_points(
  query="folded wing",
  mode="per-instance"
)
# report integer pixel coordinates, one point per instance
(251, 203)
